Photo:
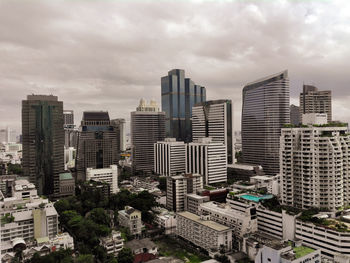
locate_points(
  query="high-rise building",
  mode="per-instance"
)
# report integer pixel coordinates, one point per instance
(313, 100)
(106, 175)
(294, 115)
(119, 126)
(214, 119)
(315, 169)
(179, 95)
(43, 142)
(265, 110)
(169, 157)
(68, 117)
(177, 188)
(147, 127)
(208, 159)
(97, 143)
(3, 136)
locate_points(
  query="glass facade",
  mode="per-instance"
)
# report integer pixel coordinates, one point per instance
(265, 110)
(179, 95)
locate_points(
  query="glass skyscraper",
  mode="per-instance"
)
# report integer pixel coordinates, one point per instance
(265, 110)
(179, 95)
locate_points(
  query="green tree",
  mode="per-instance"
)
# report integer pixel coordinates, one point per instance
(99, 216)
(125, 256)
(87, 258)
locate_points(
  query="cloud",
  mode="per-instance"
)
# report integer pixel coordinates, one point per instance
(106, 55)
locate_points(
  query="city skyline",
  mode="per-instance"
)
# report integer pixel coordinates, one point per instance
(78, 56)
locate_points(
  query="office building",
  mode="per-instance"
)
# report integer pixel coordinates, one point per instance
(295, 115)
(265, 110)
(193, 202)
(3, 136)
(67, 185)
(313, 100)
(119, 127)
(106, 175)
(177, 188)
(208, 159)
(68, 116)
(43, 142)
(204, 233)
(70, 132)
(214, 119)
(97, 142)
(179, 95)
(315, 167)
(169, 157)
(131, 219)
(147, 128)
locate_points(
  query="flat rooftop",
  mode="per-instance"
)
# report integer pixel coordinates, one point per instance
(208, 223)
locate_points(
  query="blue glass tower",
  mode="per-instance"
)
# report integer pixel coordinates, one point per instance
(179, 95)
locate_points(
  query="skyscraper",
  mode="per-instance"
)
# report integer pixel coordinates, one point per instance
(97, 143)
(119, 127)
(169, 157)
(179, 95)
(208, 159)
(70, 132)
(294, 115)
(315, 168)
(214, 119)
(265, 110)
(43, 142)
(147, 127)
(68, 117)
(313, 100)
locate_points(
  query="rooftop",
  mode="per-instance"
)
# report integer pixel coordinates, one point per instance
(208, 223)
(140, 243)
(95, 116)
(66, 176)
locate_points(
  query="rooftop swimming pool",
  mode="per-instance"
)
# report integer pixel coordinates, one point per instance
(255, 198)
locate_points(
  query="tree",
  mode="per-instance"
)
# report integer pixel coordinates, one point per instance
(99, 216)
(87, 258)
(125, 256)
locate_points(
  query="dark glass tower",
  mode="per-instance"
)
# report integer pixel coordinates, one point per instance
(43, 142)
(179, 95)
(97, 143)
(265, 110)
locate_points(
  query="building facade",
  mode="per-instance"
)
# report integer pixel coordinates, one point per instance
(265, 110)
(106, 175)
(295, 115)
(315, 167)
(119, 127)
(313, 100)
(207, 158)
(203, 232)
(179, 95)
(131, 219)
(43, 142)
(97, 143)
(214, 119)
(169, 157)
(147, 128)
(177, 188)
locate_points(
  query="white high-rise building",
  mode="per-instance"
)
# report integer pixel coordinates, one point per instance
(214, 119)
(314, 167)
(169, 157)
(106, 175)
(177, 188)
(207, 158)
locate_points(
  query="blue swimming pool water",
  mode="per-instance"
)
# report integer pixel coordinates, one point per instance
(255, 198)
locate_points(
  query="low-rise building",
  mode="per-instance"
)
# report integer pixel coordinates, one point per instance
(203, 232)
(263, 249)
(62, 241)
(166, 220)
(112, 243)
(131, 219)
(139, 246)
(106, 175)
(270, 183)
(193, 201)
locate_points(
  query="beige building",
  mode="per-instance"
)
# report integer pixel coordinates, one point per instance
(203, 232)
(112, 243)
(131, 219)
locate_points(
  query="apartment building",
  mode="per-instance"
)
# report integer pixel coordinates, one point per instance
(106, 175)
(177, 188)
(193, 202)
(314, 166)
(131, 219)
(203, 232)
(169, 157)
(112, 243)
(207, 158)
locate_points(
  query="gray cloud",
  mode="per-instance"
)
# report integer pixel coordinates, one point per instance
(106, 55)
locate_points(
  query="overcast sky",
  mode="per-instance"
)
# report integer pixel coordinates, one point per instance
(106, 55)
